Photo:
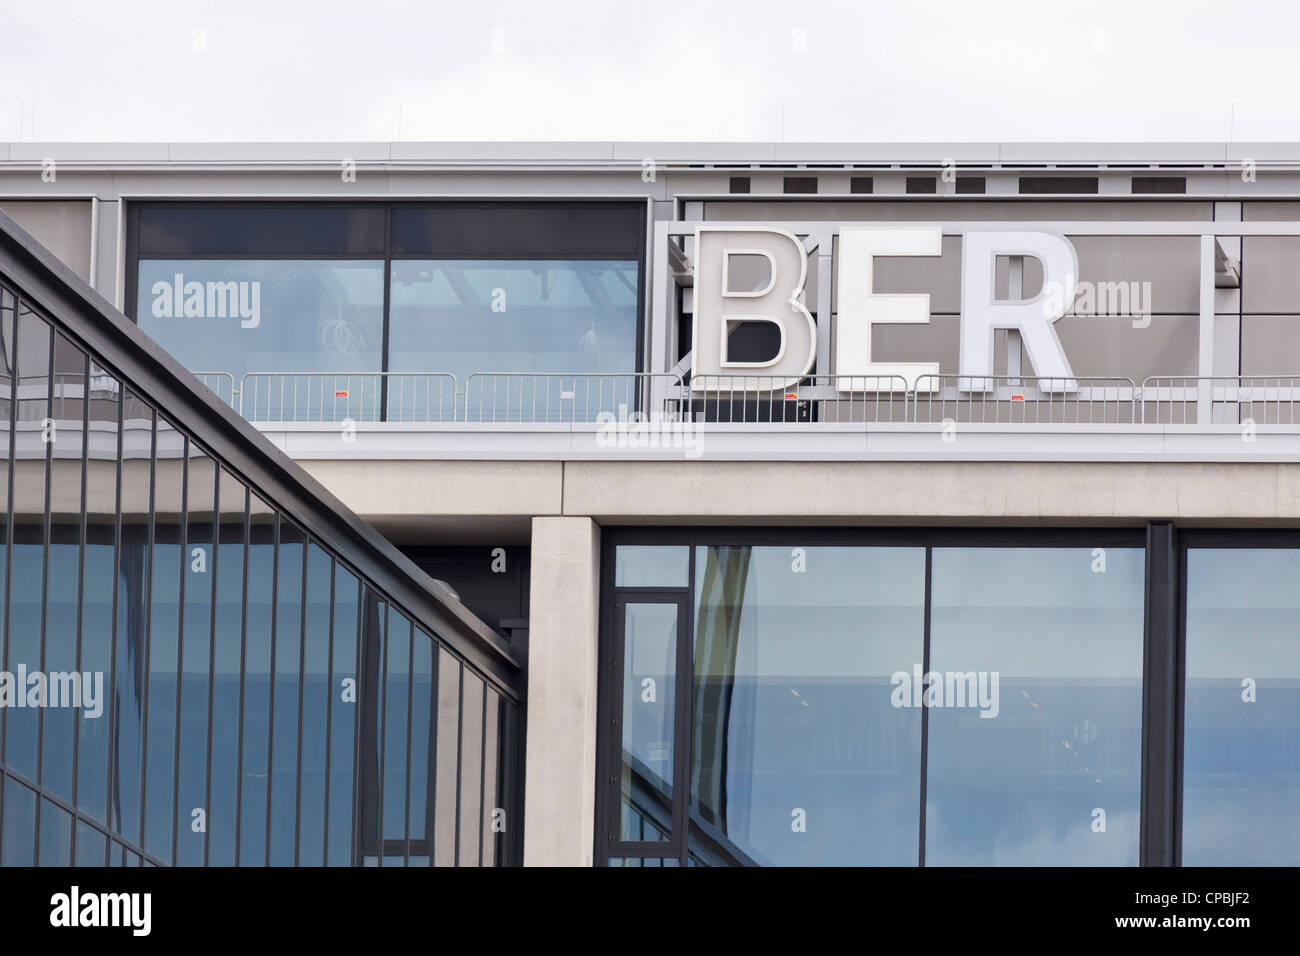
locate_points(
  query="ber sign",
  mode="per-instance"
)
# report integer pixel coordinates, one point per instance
(719, 307)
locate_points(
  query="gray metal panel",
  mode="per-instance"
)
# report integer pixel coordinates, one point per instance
(62, 227)
(1270, 345)
(1270, 279)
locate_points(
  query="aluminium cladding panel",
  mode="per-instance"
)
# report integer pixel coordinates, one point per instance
(61, 226)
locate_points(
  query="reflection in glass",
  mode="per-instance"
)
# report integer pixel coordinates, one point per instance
(32, 449)
(227, 661)
(287, 689)
(315, 708)
(1241, 744)
(163, 640)
(259, 602)
(343, 717)
(464, 316)
(198, 568)
(1061, 629)
(100, 575)
(649, 662)
(798, 756)
(652, 566)
(130, 666)
(278, 315)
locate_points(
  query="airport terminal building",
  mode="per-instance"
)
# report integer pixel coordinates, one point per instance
(649, 504)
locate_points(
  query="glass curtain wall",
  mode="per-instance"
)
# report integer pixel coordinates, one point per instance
(876, 705)
(401, 312)
(191, 678)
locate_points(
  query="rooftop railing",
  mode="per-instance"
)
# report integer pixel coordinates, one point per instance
(568, 398)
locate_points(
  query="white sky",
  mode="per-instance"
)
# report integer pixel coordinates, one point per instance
(959, 70)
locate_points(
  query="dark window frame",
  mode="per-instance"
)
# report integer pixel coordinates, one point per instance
(609, 685)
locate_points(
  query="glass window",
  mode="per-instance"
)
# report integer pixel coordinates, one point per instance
(798, 756)
(95, 732)
(1034, 694)
(343, 717)
(315, 708)
(652, 566)
(18, 825)
(422, 717)
(278, 315)
(131, 666)
(287, 694)
(464, 316)
(268, 229)
(198, 567)
(259, 601)
(1241, 742)
(397, 709)
(163, 639)
(649, 665)
(227, 661)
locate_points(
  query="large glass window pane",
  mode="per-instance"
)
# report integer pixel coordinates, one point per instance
(131, 666)
(257, 685)
(343, 717)
(8, 305)
(315, 708)
(56, 835)
(397, 708)
(62, 618)
(1034, 744)
(422, 722)
(100, 575)
(1241, 743)
(91, 845)
(466, 316)
(649, 664)
(198, 566)
(281, 315)
(251, 229)
(287, 701)
(27, 576)
(798, 754)
(227, 662)
(18, 825)
(164, 639)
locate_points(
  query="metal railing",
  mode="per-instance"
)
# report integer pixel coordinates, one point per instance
(561, 397)
(355, 396)
(1221, 399)
(813, 398)
(1026, 400)
(223, 383)
(569, 398)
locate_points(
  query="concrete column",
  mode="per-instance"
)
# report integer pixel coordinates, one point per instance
(560, 767)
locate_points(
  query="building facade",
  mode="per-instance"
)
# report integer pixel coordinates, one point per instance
(681, 504)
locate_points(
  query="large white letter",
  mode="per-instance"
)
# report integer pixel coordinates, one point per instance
(719, 308)
(860, 307)
(981, 313)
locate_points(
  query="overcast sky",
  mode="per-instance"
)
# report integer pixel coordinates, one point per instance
(794, 70)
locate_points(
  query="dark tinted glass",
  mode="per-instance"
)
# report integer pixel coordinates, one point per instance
(260, 230)
(1241, 746)
(799, 756)
(519, 230)
(1034, 747)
